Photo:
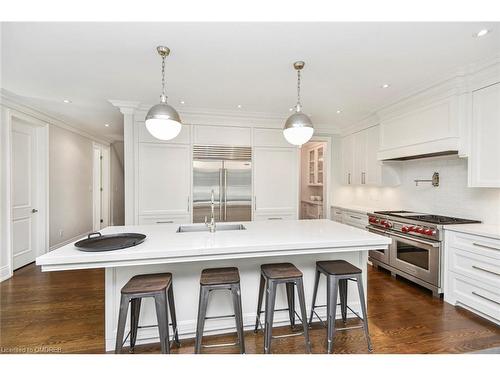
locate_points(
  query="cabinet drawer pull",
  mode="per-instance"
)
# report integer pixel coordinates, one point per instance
(486, 246)
(355, 217)
(165, 222)
(274, 218)
(485, 270)
(486, 298)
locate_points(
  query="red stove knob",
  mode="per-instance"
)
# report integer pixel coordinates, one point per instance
(405, 229)
(428, 232)
(383, 222)
(411, 228)
(419, 230)
(372, 220)
(388, 225)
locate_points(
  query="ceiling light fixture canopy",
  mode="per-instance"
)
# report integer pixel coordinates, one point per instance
(162, 120)
(298, 127)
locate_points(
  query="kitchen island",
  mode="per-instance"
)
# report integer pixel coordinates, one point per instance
(185, 254)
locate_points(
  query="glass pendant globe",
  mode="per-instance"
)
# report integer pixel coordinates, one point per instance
(298, 136)
(298, 129)
(163, 122)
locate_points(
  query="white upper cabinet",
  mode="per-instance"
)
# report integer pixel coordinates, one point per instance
(222, 135)
(269, 137)
(484, 158)
(275, 182)
(359, 160)
(418, 129)
(164, 179)
(347, 155)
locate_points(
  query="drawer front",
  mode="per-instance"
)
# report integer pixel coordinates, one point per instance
(336, 214)
(148, 220)
(482, 246)
(478, 267)
(274, 217)
(355, 219)
(476, 295)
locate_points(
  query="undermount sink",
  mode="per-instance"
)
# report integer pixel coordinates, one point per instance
(204, 228)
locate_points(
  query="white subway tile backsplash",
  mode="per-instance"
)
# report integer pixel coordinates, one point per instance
(452, 197)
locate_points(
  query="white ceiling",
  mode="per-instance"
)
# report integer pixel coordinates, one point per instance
(221, 65)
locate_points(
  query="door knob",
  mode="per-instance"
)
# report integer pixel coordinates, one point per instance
(34, 210)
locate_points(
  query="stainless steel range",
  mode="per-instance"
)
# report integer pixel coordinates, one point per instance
(416, 249)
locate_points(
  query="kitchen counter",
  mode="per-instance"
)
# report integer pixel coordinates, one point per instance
(487, 230)
(185, 255)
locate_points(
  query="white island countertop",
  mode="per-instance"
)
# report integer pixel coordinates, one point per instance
(259, 239)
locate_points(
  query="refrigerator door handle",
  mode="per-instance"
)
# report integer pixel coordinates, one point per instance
(225, 194)
(220, 194)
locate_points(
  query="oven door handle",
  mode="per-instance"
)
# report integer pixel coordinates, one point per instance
(433, 244)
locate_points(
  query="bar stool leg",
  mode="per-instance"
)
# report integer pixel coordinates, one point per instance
(343, 298)
(122, 319)
(171, 304)
(290, 296)
(303, 313)
(162, 317)
(202, 311)
(270, 300)
(135, 309)
(238, 314)
(315, 292)
(259, 302)
(332, 287)
(361, 292)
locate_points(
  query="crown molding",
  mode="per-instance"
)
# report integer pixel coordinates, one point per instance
(16, 102)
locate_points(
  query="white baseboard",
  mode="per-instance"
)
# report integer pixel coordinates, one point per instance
(5, 273)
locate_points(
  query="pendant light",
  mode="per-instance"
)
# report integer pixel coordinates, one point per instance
(162, 120)
(298, 127)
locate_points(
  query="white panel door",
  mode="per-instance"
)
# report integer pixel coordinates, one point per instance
(275, 180)
(24, 194)
(164, 179)
(359, 172)
(484, 160)
(347, 155)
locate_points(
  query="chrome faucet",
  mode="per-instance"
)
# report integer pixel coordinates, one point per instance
(211, 225)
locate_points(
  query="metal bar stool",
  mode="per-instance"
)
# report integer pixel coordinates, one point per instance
(215, 279)
(270, 277)
(338, 273)
(157, 286)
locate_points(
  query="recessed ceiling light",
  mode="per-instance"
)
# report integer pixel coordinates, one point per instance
(339, 111)
(183, 102)
(67, 101)
(385, 86)
(106, 125)
(239, 106)
(482, 32)
(290, 109)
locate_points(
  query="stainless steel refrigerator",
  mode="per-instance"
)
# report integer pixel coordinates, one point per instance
(228, 172)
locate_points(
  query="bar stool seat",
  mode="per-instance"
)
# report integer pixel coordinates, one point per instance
(337, 267)
(227, 278)
(280, 270)
(148, 283)
(157, 286)
(271, 276)
(226, 275)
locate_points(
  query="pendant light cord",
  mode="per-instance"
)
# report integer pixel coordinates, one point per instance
(298, 107)
(163, 92)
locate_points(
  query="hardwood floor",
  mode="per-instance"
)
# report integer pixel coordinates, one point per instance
(64, 312)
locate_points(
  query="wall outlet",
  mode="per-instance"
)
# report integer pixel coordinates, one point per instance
(61, 233)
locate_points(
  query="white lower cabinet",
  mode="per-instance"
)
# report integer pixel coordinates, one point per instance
(164, 180)
(472, 273)
(275, 179)
(355, 219)
(336, 214)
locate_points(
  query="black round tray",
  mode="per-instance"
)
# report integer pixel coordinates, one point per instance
(98, 242)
